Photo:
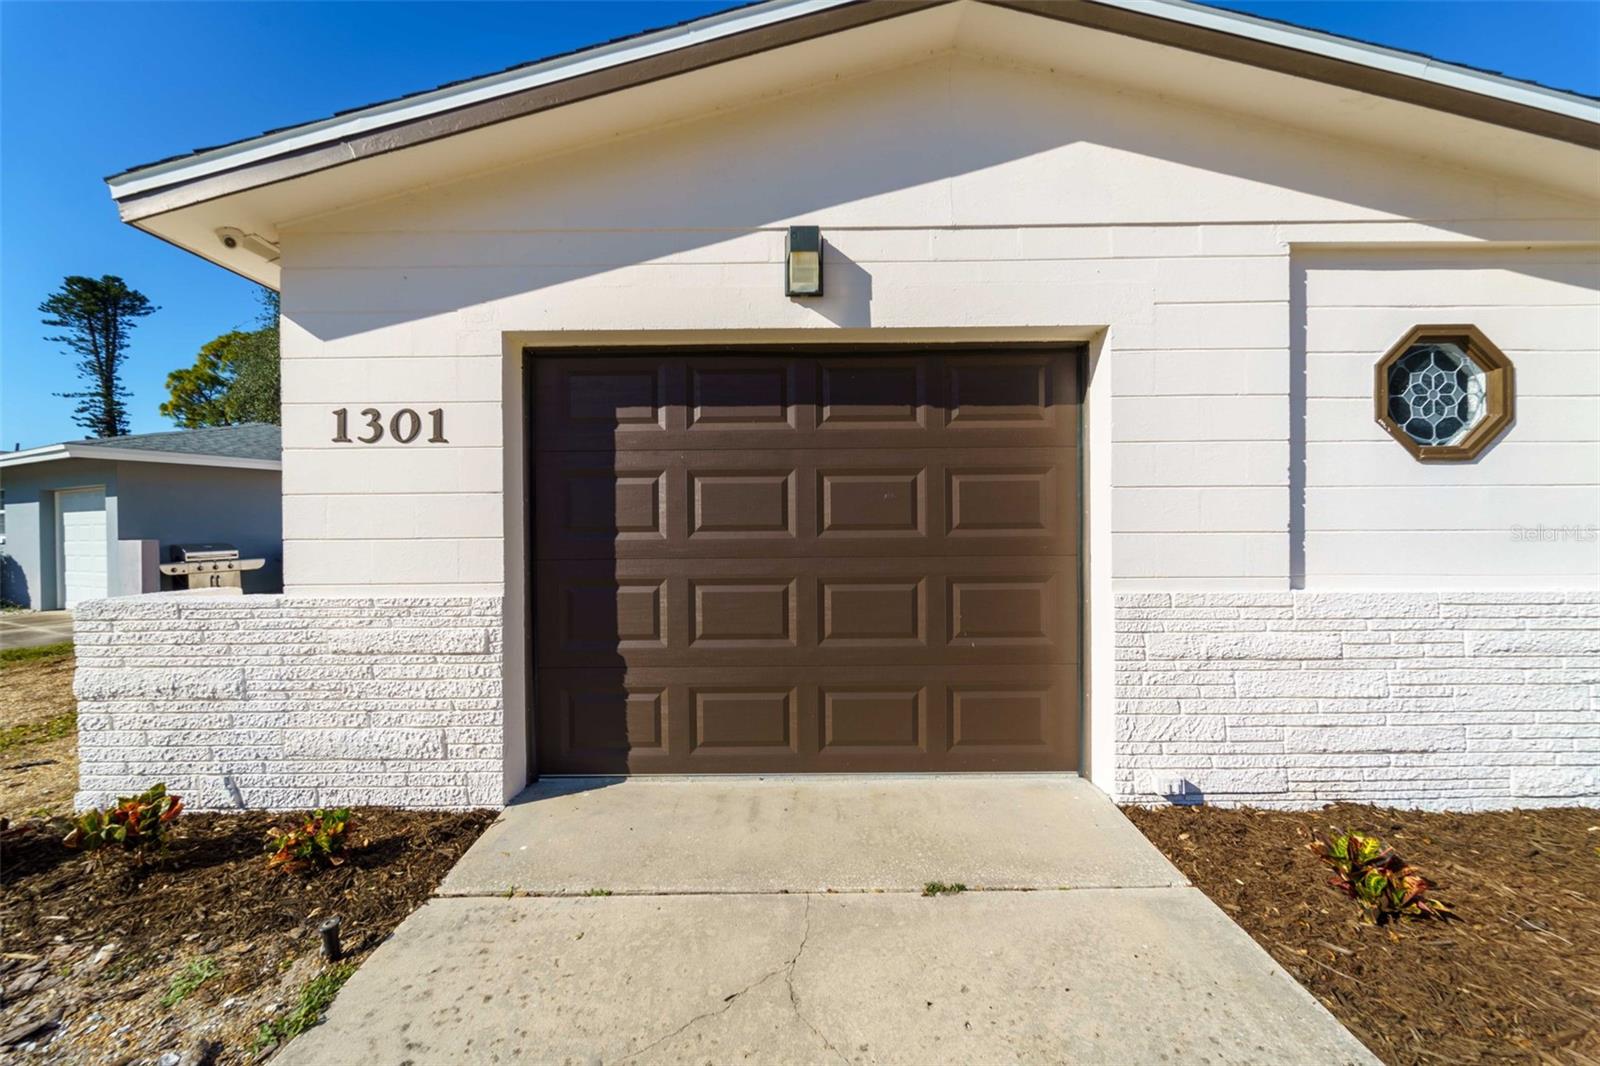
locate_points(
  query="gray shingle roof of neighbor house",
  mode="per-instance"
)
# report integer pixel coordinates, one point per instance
(459, 106)
(251, 440)
(252, 445)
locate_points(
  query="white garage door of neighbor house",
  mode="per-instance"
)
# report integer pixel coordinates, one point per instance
(81, 529)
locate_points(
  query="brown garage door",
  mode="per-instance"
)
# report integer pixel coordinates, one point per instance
(792, 563)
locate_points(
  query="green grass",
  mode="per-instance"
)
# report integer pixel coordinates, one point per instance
(20, 736)
(190, 978)
(12, 656)
(939, 888)
(315, 998)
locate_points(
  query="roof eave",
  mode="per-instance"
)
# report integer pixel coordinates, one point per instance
(102, 453)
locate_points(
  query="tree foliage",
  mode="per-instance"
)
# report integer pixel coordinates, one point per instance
(256, 393)
(96, 315)
(234, 378)
(199, 393)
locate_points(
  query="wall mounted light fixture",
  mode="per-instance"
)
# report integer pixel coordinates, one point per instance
(802, 262)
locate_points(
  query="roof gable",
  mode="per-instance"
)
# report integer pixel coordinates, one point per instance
(1283, 74)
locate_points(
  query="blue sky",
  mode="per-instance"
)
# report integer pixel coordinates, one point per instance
(88, 89)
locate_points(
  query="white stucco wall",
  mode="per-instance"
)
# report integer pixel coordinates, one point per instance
(1231, 442)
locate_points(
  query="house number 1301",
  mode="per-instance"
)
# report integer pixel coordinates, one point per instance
(405, 426)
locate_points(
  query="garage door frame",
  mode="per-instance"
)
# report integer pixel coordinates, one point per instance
(1079, 350)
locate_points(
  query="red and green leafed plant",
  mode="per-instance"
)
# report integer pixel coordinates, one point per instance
(319, 841)
(137, 823)
(1376, 878)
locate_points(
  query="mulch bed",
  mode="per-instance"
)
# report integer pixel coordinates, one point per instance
(209, 895)
(1516, 978)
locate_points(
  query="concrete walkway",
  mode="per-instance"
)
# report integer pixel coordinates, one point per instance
(782, 921)
(33, 629)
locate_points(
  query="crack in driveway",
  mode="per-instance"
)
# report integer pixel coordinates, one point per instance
(786, 970)
(794, 1001)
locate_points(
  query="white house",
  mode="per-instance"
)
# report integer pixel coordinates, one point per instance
(85, 519)
(1205, 405)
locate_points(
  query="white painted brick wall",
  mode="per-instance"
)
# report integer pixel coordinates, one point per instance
(1459, 700)
(291, 701)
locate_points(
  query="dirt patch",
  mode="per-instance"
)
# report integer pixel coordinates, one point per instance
(93, 949)
(38, 737)
(1515, 979)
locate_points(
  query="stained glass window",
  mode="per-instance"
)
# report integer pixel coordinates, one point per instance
(1436, 393)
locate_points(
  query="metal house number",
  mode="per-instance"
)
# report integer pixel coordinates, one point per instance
(405, 426)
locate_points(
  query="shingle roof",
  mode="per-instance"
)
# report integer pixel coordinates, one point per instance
(251, 440)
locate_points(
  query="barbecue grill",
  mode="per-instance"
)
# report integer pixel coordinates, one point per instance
(208, 567)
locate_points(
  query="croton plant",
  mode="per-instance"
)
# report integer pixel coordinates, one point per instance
(318, 841)
(1375, 877)
(135, 823)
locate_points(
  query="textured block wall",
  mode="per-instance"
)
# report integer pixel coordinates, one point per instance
(1460, 700)
(285, 701)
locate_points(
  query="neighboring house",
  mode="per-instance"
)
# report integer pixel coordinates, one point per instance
(1196, 402)
(93, 518)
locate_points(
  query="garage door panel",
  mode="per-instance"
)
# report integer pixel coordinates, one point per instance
(788, 563)
(761, 720)
(863, 394)
(737, 403)
(743, 613)
(762, 396)
(939, 501)
(737, 612)
(601, 506)
(741, 504)
(601, 399)
(754, 720)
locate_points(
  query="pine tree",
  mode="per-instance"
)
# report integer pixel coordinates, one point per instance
(97, 315)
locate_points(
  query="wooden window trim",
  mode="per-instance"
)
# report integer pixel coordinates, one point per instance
(1499, 392)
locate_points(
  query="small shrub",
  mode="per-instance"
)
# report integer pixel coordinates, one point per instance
(939, 888)
(189, 978)
(1380, 882)
(598, 892)
(317, 842)
(137, 823)
(315, 998)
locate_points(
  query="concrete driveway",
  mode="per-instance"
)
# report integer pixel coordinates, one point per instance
(783, 921)
(32, 629)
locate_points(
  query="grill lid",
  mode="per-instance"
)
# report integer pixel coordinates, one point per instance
(203, 553)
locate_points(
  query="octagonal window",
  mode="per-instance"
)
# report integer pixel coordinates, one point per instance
(1436, 393)
(1444, 392)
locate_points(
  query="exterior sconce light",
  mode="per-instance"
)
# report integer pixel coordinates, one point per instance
(802, 262)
